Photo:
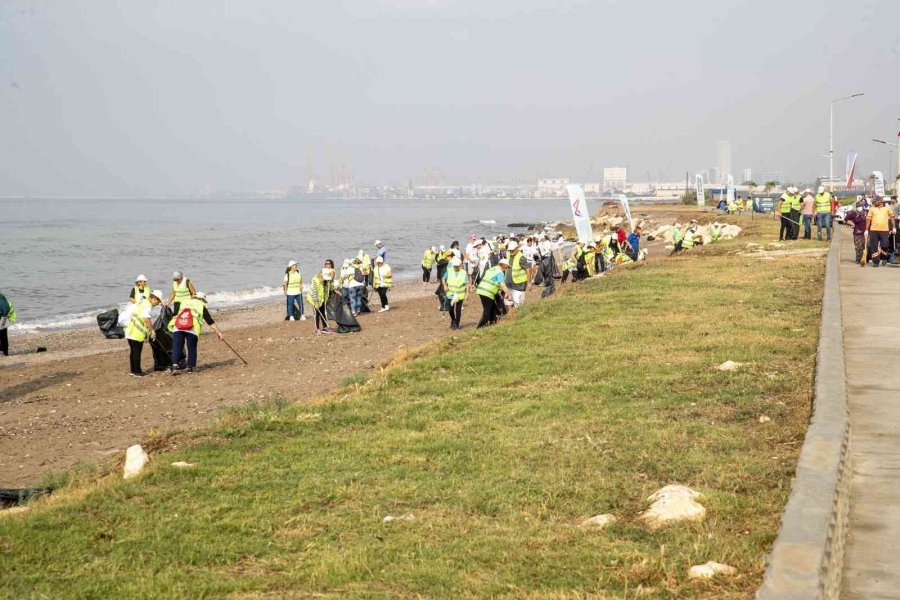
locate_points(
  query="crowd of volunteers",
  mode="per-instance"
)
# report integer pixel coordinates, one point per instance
(874, 221)
(819, 209)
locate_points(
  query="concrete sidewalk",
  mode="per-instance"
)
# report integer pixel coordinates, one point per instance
(871, 304)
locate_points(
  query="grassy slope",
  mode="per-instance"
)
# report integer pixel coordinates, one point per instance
(499, 442)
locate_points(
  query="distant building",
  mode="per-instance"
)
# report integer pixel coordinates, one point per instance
(715, 176)
(724, 159)
(552, 187)
(615, 179)
(592, 188)
(746, 175)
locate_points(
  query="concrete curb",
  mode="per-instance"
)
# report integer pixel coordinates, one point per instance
(808, 556)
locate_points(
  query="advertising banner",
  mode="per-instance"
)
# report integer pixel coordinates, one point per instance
(580, 213)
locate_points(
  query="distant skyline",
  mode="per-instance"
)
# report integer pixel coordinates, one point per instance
(164, 97)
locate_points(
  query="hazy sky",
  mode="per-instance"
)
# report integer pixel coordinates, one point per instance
(134, 97)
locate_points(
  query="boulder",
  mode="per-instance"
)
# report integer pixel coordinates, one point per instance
(182, 465)
(765, 419)
(406, 517)
(135, 461)
(671, 504)
(710, 570)
(599, 521)
(729, 365)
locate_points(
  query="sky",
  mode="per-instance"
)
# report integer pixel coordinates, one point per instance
(171, 97)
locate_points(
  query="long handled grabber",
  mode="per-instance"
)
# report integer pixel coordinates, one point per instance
(235, 352)
(865, 252)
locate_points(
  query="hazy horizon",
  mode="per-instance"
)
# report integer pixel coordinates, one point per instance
(167, 98)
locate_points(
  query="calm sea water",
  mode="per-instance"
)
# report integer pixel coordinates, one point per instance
(64, 260)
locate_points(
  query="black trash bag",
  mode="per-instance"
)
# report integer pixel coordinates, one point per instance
(108, 322)
(346, 322)
(539, 277)
(548, 268)
(11, 497)
(364, 300)
(162, 346)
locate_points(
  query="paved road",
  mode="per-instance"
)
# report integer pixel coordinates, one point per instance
(870, 299)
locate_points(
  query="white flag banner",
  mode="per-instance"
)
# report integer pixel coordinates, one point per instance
(624, 200)
(851, 167)
(580, 213)
(701, 189)
(879, 183)
(730, 190)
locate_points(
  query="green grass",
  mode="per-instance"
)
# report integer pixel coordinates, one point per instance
(499, 442)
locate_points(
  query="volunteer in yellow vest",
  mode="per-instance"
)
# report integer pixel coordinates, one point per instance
(186, 326)
(366, 262)
(517, 274)
(823, 213)
(796, 210)
(320, 289)
(580, 264)
(590, 259)
(492, 282)
(382, 282)
(456, 286)
(7, 318)
(784, 210)
(182, 289)
(428, 263)
(139, 329)
(293, 290)
(140, 291)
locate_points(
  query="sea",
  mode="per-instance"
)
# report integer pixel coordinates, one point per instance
(63, 261)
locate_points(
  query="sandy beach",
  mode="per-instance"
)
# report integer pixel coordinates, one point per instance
(76, 402)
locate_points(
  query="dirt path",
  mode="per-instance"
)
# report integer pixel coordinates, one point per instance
(58, 410)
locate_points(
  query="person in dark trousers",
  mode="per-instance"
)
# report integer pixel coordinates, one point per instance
(7, 318)
(186, 327)
(632, 243)
(857, 218)
(140, 329)
(492, 283)
(456, 284)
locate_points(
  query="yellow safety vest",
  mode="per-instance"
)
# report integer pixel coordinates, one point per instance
(321, 291)
(382, 279)
(823, 203)
(139, 295)
(428, 259)
(294, 283)
(137, 330)
(489, 288)
(519, 274)
(182, 290)
(456, 284)
(785, 204)
(196, 307)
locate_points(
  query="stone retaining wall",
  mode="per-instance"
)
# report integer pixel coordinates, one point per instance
(808, 556)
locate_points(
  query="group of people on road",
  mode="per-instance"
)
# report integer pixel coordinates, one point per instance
(874, 221)
(819, 208)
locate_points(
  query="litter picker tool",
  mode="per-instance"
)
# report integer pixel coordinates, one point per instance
(235, 352)
(865, 252)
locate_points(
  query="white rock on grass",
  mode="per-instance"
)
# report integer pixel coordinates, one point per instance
(765, 419)
(710, 570)
(406, 517)
(182, 465)
(599, 521)
(729, 365)
(135, 461)
(671, 504)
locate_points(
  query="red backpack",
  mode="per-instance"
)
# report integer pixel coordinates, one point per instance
(185, 320)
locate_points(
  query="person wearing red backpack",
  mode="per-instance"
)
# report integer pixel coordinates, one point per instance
(185, 327)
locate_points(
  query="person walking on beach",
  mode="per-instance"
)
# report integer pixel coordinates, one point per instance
(428, 263)
(293, 291)
(492, 283)
(140, 290)
(517, 275)
(320, 289)
(823, 213)
(182, 289)
(383, 282)
(879, 226)
(186, 326)
(456, 284)
(381, 250)
(139, 329)
(355, 284)
(7, 318)
(857, 218)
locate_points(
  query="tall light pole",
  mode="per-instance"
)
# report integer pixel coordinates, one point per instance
(891, 146)
(831, 139)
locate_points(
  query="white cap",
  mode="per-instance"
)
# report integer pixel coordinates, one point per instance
(504, 262)
(200, 296)
(821, 188)
(141, 278)
(293, 263)
(456, 262)
(434, 248)
(442, 247)
(379, 260)
(177, 275)
(377, 242)
(346, 262)
(327, 274)
(807, 191)
(158, 294)
(513, 245)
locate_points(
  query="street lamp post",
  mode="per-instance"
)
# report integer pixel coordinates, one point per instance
(831, 139)
(891, 147)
